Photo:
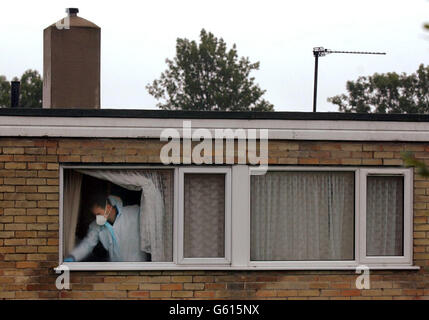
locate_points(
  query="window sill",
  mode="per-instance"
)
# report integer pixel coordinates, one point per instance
(136, 266)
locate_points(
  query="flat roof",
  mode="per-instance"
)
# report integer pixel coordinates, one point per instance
(246, 115)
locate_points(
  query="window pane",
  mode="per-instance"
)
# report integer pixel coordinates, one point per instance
(204, 215)
(302, 216)
(385, 216)
(138, 206)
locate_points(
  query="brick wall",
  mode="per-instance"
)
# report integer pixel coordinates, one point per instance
(29, 195)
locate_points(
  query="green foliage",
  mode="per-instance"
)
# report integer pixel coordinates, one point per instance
(30, 92)
(387, 93)
(4, 92)
(208, 76)
(410, 161)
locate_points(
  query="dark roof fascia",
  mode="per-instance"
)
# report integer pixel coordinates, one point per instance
(246, 115)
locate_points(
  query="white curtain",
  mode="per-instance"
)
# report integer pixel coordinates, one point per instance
(384, 215)
(155, 223)
(71, 206)
(302, 216)
(204, 215)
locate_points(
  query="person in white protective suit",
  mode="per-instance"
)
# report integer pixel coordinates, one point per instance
(117, 228)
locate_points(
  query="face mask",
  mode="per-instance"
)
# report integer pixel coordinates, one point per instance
(102, 219)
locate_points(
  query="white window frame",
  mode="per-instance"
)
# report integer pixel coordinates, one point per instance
(385, 262)
(406, 259)
(320, 264)
(181, 216)
(78, 266)
(237, 223)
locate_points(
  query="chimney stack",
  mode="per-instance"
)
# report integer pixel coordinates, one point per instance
(71, 63)
(14, 94)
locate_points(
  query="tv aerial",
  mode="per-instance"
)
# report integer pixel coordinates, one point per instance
(321, 52)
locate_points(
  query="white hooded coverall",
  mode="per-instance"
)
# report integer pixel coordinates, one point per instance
(126, 244)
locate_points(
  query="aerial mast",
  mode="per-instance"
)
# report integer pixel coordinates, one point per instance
(321, 52)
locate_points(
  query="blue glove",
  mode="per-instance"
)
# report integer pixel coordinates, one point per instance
(69, 259)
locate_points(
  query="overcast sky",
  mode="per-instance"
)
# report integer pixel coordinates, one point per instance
(137, 36)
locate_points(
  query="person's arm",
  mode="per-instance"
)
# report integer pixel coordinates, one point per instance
(85, 247)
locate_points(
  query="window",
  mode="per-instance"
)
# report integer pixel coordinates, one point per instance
(118, 215)
(331, 218)
(386, 216)
(233, 217)
(298, 216)
(204, 215)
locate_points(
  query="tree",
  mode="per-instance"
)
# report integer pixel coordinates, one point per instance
(30, 95)
(387, 93)
(207, 76)
(4, 92)
(31, 89)
(410, 161)
(408, 157)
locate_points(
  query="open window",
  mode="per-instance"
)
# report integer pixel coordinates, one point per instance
(138, 205)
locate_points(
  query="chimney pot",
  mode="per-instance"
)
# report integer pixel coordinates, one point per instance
(72, 11)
